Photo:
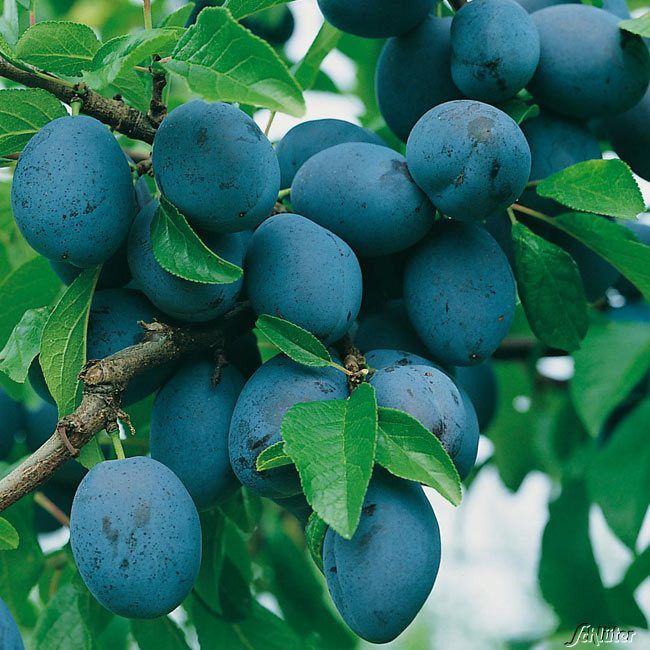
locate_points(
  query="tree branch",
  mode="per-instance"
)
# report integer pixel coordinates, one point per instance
(119, 116)
(104, 382)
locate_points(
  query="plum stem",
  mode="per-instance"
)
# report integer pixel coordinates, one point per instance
(146, 7)
(284, 193)
(531, 213)
(50, 507)
(117, 445)
(511, 215)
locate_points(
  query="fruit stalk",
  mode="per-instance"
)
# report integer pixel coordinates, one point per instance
(104, 381)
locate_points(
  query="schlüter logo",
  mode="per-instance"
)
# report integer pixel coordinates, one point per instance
(587, 634)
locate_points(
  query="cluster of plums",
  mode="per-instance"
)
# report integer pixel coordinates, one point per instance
(362, 253)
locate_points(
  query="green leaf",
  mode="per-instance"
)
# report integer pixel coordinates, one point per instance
(519, 110)
(613, 359)
(242, 8)
(567, 560)
(332, 444)
(180, 251)
(244, 509)
(223, 61)
(179, 17)
(22, 114)
(23, 344)
(409, 450)
(63, 347)
(9, 537)
(62, 624)
(91, 454)
(158, 634)
(272, 457)
(551, 290)
(56, 46)
(261, 630)
(618, 478)
(315, 538)
(613, 242)
(33, 284)
(640, 25)
(306, 71)
(601, 186)
(207, 583)
(298, 344)
(21, 568)
(117, 57)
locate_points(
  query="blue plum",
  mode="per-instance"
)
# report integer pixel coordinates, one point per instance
(465, 458)
(12, 420)
(72, 194)
(364, 193)
(460, 294)
(302, 272)
(216, 166)
(388, 327)
(115, 272)
(275, 24)
(494, 49)
(425, 53)
(40, 425)
(136, 537)
(113, 326)
(375, 18)
(427, 394)
(617, 7)
(471, 159)
(179, 298)
(309, 138)
(267, 396)
(588, 67)
(9, 633)
(480, 384)
(380, 579)
(189, 429)
(244, 353)
(630, 136)
(383, 358)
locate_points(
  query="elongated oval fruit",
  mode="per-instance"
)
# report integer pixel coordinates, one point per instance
(365, 194)
(267, 396)
(216, 166)
(9, 635)
(189, 428)
(303, 273)
(470, 158)
(380, 579)
(460, 294)
(72, 194)
(135, 537)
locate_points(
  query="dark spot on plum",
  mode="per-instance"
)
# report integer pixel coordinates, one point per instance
(202, 136)
(369, 510)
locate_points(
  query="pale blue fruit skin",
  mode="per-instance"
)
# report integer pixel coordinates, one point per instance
(72, 194)
(309, 138)
(383, 358)
(189, 429)
(380, 579)
(588, 67)
(480, 384)
(364, 193)
(388, 327)
(495, 49)
(216, 166)
(299, 271)
(9, 634)
(274, 388)
(182, 299)
(630, 136)
(465, 459)
(470, 158)
(375, 18)
(135, 537)
(426, 53)
(12, 420)
(460, 294)
(617, 7)
(427, 394)
(40, 425)
(113, 326)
